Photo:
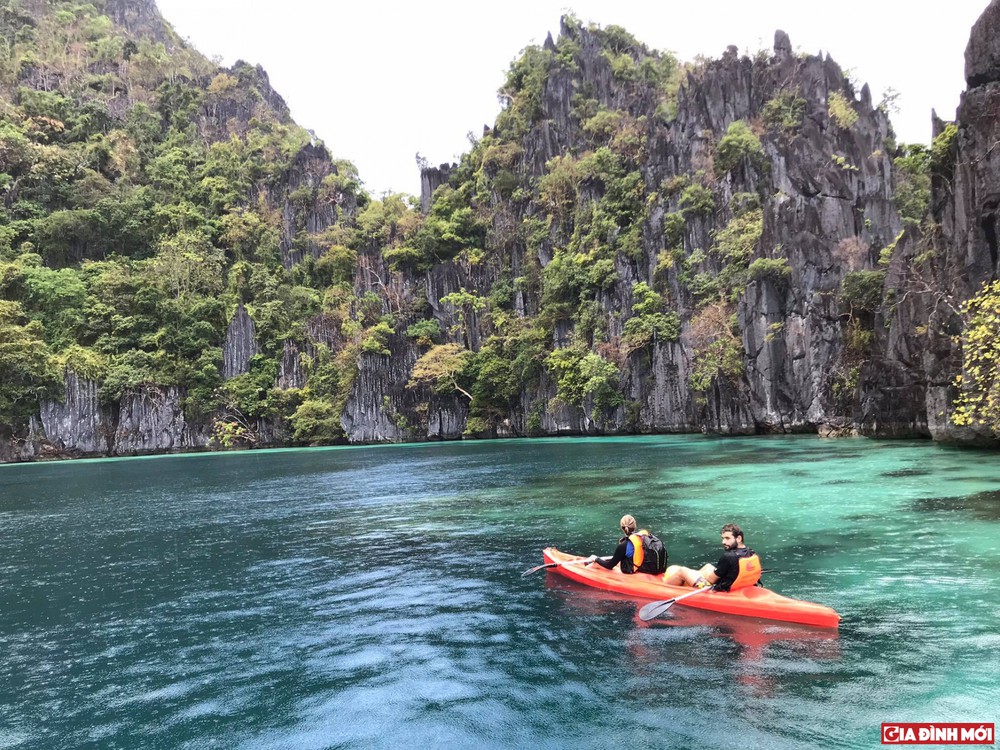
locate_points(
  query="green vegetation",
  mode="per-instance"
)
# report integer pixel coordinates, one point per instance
(521, 94)
(582, 375)
(441, 368)
(843, 163)
(914, 166)
(861, 291)
(149, 195)
(978, 401)
(730, 253)
(27, 369)
(784, 112)
(913, 183)
(452, 227)
(508, 364)
(132, 226)
(774, 269)
(390, 225)
(841, 111)
(944, 151)
(466, 305)
(738, 145)
(426, 332)
(316, 422)
(649, 323)
(696, 200)
(718, 349)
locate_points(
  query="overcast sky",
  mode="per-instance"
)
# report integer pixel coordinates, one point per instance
(380, 81)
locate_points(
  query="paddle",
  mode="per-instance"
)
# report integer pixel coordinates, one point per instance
(582, 560)
(655, 609)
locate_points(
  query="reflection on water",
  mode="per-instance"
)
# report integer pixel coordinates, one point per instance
(750, 635)
(372, 597)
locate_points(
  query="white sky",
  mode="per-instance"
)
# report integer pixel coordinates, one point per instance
(380, 81)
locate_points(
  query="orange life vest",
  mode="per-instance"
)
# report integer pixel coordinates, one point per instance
(643, 542)
(750, 569)
(638, 553)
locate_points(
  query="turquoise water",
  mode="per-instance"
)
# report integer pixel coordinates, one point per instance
(372, 597)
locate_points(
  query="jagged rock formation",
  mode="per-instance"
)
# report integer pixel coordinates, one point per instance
(290, 374)
(149, 420)
(78, 423)
(240, 345)
(152, 420)
(827, 209)
(793, 327)
(909, 386)
(982, 55)
(305, 209)
(141, 18)
(431, 178)
(970, 213)
(974, 245)
(243, 93)
(757, 250)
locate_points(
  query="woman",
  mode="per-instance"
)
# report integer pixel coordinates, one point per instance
(637, 551)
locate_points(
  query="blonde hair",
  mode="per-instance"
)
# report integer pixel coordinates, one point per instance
(627, 524)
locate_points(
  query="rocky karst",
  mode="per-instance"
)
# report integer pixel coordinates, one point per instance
(791, 258)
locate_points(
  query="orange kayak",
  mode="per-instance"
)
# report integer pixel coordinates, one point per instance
(754, 601)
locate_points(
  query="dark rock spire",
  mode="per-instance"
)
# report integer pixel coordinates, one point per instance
(982, 55)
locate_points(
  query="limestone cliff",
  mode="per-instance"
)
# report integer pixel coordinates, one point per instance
(648, 247)
(909, 386)
(826, 210)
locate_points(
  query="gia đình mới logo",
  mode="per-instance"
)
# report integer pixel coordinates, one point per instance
(937, 733)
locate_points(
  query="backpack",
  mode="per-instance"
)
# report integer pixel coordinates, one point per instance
(654, 555)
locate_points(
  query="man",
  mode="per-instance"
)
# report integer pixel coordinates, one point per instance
(738, 567)
(637, 551)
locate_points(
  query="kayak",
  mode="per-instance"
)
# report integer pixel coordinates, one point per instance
(753, 601)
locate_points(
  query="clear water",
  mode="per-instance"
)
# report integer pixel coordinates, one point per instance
(372, 597)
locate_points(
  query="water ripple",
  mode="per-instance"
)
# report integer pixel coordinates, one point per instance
(356, 598)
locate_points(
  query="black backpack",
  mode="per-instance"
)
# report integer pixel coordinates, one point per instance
(654, 555)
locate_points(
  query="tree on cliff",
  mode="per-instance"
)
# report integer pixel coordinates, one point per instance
(440, 368)
(978, 403)
(26, 367)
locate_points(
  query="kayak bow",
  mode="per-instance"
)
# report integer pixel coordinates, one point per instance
(754, 601)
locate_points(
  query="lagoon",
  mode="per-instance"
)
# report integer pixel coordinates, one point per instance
(372, 596)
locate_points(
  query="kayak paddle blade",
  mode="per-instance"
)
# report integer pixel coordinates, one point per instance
(655, 609)
(581, 561)
(535, 569)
